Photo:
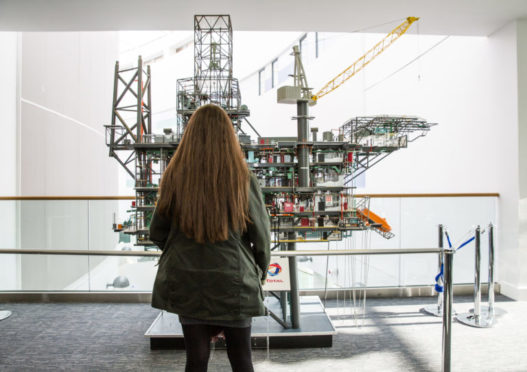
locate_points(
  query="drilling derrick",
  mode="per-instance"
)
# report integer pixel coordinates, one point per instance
(143, 154)
(212, 81)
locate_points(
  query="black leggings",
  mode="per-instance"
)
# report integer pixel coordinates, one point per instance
(197, 344)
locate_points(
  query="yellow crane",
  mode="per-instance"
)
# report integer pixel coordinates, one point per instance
(365, 59)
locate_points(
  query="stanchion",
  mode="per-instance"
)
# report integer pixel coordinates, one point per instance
(437, 309)
(475, 318)
(447, 308)
(489, 312)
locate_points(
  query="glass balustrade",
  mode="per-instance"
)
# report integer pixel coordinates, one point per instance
(87, 225)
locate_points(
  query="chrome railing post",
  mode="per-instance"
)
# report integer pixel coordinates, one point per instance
(437, 309)
(477, 278)
(490, 317)
(447, 309)
(475, 318)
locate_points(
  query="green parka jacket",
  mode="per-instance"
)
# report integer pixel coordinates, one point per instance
(220, 281)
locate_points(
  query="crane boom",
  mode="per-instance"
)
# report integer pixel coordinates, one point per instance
(365, 59)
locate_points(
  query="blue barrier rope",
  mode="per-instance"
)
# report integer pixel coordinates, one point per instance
(465, 243)
(448, 239)
(438, 287)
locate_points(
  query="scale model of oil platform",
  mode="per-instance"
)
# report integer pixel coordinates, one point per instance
(307, 181)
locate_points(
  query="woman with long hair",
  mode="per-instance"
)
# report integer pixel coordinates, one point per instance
(212, 226)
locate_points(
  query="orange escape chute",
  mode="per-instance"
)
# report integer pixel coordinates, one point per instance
(369, 217)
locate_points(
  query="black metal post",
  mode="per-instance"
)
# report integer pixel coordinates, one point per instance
(294, 297)
(139, 99)
(303, 181)
(149, 99)
(303, 148)
(283, 294)
(114, 103)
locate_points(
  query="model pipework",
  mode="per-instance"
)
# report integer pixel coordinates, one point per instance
(307, 180)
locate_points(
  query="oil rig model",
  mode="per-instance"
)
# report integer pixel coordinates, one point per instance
(306, 180)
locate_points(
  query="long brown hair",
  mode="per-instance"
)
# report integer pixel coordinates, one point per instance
(204, 189)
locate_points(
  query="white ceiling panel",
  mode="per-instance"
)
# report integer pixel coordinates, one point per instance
(452, 17)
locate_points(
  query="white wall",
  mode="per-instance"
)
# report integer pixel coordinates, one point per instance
(8, 74)
(466, 84)
(66, 98)
(66, 93)
(8, 154)
(504, 106)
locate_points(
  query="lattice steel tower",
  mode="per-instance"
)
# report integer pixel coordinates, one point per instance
(212, 81)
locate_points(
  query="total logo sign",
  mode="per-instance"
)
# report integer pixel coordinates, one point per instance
(274, 269)
(278, 275)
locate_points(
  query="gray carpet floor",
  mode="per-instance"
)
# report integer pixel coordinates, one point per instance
(393, 336)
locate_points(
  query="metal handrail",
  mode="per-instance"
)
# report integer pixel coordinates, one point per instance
(447, 294)
(126, 197)
(68, 197)
(333, 252)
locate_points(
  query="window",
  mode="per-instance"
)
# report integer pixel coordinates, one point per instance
(260, 78)
(284, 68)
(274, 76)
(302, 43)
(316, 44)
(268, 78)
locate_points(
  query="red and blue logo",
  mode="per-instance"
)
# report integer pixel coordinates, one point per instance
(274, 269)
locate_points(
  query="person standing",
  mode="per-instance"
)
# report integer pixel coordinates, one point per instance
(213, 229)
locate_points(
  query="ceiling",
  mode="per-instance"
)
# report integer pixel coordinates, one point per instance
(445, 17)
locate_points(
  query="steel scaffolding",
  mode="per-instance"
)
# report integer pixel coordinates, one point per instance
(213, 81)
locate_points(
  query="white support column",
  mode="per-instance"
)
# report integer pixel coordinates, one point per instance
(521, 256)
(508, 51)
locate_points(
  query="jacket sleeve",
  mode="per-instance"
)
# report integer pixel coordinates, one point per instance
(159, 229)
(259, 230)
